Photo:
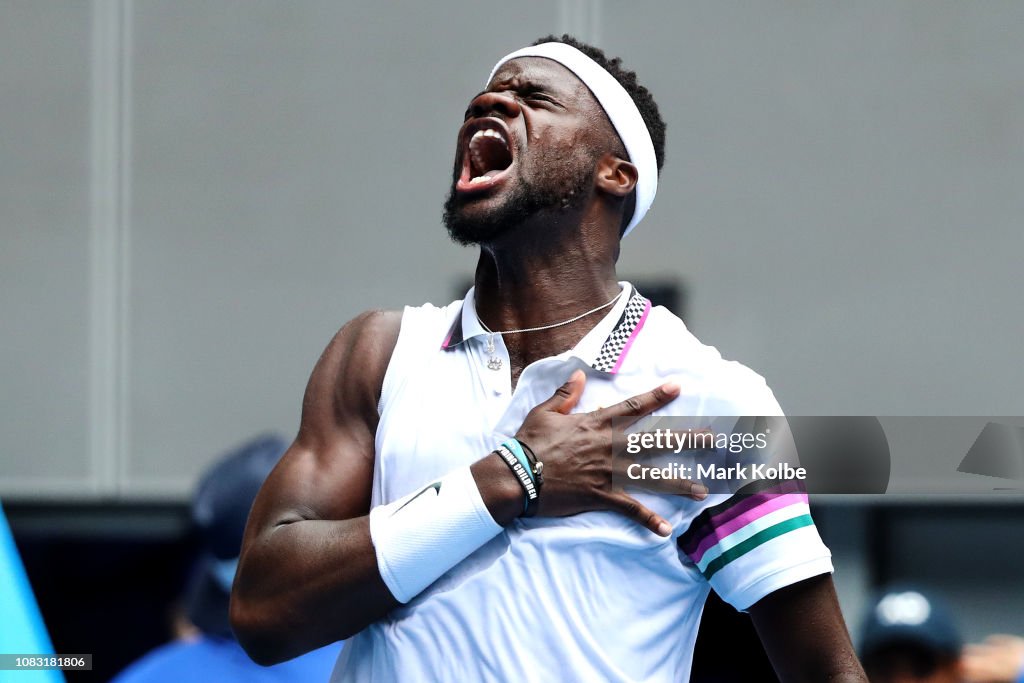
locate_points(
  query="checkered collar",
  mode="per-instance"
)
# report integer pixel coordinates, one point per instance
(604, 348)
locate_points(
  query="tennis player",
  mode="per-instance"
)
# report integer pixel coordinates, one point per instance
(448, 504)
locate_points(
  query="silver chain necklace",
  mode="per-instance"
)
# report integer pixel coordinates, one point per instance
(494, 362)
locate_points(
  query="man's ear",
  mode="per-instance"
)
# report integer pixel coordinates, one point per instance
(615, 176)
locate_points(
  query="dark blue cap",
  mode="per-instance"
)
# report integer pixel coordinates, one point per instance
(220, 510)
(910, 615)
(220, 507)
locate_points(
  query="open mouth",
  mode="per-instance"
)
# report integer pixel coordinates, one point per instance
(487, 155)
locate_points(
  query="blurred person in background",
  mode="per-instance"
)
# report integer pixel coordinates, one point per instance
(1000, 659)
(910, 637)
(205, 648)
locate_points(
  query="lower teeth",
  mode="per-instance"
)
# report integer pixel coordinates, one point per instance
(480, 179)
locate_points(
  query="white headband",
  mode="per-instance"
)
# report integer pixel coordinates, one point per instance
(619, 107)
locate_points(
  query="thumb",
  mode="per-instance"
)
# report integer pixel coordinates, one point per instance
(568, 395)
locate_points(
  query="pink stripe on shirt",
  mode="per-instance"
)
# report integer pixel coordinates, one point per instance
(629, 343)
(773, 503)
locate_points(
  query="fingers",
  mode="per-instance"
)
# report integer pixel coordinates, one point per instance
(629, 474)
(637, 406)
(637, 511)
(698, 491)
(673, 487)
(566, 396)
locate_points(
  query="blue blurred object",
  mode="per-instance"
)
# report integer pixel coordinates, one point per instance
(210, 658)
(22, 630)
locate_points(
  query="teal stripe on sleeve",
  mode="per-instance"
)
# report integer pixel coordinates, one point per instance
(760, 538)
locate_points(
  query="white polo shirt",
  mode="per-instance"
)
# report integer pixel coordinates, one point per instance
(595, 596)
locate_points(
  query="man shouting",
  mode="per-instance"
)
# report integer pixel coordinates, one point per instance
(448, 503)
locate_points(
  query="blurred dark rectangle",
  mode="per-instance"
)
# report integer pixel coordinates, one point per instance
(954, 543)
(106, 576)
(103, 520)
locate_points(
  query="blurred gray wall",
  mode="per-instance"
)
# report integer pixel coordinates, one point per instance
(196, 195)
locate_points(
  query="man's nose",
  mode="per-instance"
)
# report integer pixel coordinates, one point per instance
(501, 103)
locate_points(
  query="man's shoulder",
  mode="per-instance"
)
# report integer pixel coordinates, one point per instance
(727, 387)
(366, 344)
(371, 325)
(676, 349)
(367, 339)
(430, 325)
(429, 310)
(374, 325)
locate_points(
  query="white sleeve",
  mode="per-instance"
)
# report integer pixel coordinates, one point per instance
(761, 538)
(755, 542)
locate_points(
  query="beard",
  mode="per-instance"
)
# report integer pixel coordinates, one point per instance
(562, 190)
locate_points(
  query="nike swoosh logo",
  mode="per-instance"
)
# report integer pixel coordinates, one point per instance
(436, 486)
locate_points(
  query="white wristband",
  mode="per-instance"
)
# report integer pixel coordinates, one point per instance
(421, 536)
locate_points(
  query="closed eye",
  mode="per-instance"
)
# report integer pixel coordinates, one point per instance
(536, 96)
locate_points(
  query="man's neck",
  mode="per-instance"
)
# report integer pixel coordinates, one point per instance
(527, 288)
(530, 289)
(547, 270)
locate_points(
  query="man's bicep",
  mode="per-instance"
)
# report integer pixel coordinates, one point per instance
(328, 472)
(330, 483)
(341, 397)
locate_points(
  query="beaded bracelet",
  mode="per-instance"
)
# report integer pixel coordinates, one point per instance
(536, 467)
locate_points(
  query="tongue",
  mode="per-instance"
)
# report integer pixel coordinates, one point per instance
(489, 157)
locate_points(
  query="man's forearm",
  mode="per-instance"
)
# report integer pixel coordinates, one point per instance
(840, 670)
(804, 635)
(305, 584)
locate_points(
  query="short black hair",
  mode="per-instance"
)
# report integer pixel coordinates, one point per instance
(641, 96)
